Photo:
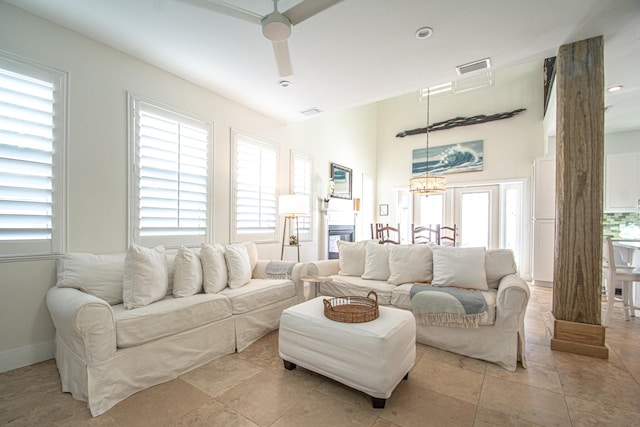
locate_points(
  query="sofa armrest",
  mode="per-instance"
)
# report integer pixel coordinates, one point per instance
(323, 268)
(296, 273)
(84, 322)
(511, 301)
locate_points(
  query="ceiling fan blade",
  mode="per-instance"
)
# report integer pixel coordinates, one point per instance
(228, 9)
(283, 60)
(307, 9)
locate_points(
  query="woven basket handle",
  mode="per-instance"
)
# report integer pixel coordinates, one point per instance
(327, 304)
(374, 294)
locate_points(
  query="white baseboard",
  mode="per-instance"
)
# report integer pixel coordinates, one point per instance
(25, 356)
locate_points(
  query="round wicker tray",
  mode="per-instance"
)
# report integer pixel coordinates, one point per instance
(352, 309)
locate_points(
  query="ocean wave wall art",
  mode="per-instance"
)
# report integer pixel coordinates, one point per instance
(461, 157)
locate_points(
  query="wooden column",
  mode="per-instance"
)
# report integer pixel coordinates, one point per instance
(579, 193)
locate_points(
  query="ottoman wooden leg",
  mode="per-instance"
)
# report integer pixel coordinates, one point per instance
(288, 365)
(406, 377)
(378, 403)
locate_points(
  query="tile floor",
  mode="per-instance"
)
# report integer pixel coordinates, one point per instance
(253, 389)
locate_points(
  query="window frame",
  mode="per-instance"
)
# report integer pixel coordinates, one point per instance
(26, 249)
(234, 235)
(305, 234)
(134, 103)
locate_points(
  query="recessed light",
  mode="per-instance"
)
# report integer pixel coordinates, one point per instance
(285, 83)
(424, 32)
(615, 88)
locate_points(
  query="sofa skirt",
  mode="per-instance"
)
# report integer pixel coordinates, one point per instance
(255, 324)
(102, 385)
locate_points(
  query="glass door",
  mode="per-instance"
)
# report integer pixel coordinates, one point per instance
(476, 212)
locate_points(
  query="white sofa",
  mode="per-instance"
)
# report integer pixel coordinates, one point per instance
(392, 271)
(106, 352)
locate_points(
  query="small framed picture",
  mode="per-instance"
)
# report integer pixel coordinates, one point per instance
(384, 210)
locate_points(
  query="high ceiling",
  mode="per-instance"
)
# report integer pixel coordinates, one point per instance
(357, 51)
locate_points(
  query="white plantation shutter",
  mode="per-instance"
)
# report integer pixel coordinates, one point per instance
(255, 210)
(171, 154)
(32, 146)
(301, 178)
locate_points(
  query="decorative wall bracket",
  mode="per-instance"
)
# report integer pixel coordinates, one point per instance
(460, 121)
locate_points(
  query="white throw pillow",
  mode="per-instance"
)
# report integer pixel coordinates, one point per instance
(410, 263)
(97, 275)
(187, 273)
(214, 268)
(459, 267)
(376, 263)
(499, 263)
(145, 276)
(351, 258)
(252, 250)
(238, 265)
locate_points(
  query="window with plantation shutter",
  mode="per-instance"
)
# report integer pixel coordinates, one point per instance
(255, 183)
(32, 147)
(301, 178)
(170, 152)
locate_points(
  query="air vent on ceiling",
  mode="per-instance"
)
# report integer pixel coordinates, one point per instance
(311, 112)
(473, 66)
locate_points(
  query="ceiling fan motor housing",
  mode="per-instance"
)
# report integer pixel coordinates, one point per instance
(276, 27)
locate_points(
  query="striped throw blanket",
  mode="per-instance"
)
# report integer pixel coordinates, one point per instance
(279, 269)
(452, 307)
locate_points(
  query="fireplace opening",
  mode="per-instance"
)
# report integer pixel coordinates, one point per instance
(339, 232)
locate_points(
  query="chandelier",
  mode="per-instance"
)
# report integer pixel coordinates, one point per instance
(426, 183)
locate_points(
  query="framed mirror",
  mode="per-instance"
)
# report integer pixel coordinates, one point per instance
(341, 176)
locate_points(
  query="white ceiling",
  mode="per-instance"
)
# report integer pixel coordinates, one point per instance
(358, 51)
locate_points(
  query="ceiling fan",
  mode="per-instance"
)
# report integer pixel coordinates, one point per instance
(276, 26)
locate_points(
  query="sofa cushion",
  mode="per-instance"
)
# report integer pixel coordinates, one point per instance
(238, 265)
(401, 298)
(499, 263)
(167, 317)
(97, 275)
(259, 293)
(145, 276)
(376, 263)
(214, 268)
(459, 267)
(410, 263)
(340, 286)
(187, 275)
(351, 258)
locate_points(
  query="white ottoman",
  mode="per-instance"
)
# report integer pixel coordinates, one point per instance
(372, 357)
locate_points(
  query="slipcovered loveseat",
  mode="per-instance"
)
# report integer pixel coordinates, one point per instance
(393, 270)
(125, 322)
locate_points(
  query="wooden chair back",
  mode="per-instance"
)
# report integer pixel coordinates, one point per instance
(424, 234)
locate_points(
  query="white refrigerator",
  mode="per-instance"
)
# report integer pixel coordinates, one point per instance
(544, 212)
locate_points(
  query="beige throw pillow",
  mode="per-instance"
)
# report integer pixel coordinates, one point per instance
(459, 267)
(376, 263)
(145, 276)
(410, 263)
(238, 265)
(351, 258)
(187, 273)
(214, 268)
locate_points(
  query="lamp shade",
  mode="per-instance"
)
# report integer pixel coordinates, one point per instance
(428, 184)
(293, 204)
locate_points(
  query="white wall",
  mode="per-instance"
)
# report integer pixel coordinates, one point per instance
(622, 142)
(99, 79)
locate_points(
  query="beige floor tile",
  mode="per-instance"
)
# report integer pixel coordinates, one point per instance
(381, 422)
(588, 413)
(489, 418)
(270, 394)
(320, 409)
(411, 405)
(212, 414)
(264, 352)
(448, 379)
(634, 370)
(437, 355)
(523, 402)
(537, 353)
(221, 375)
(536, 375)
(159, 405)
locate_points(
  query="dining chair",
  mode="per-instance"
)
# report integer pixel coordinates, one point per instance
(448, 235)
(385, 237)
(613, 274)
(424, 234)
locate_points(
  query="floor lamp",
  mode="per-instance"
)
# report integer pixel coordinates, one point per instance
(292, 206)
